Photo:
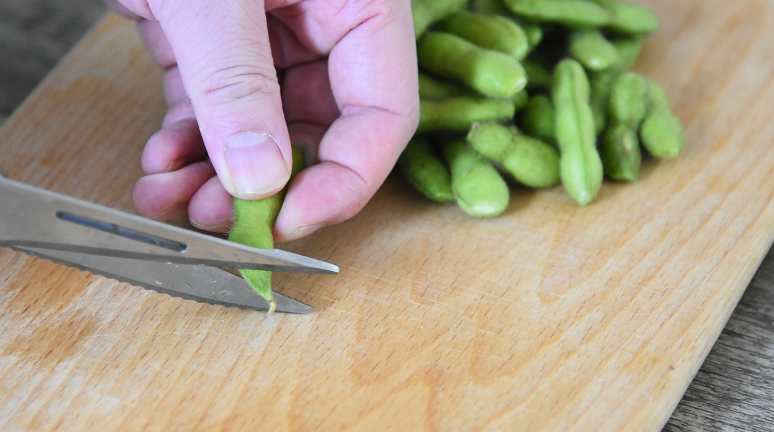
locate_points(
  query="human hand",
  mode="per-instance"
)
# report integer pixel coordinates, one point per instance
(349, 95)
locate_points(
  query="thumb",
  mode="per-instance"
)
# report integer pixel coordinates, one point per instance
(223, 52)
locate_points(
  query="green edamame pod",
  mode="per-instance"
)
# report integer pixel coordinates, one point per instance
(571, 13)
(629, 100)
(489, 72)
(496, 7)
(425, 171)
(593, 50)
(659, 100)
(538, 75)
(533, 31)
(426, 12)
(520, 100)
(431, 88)
(661, 132)
(619, 149)
(538, 118)
(493, 7)
(253, 225)
(530, 161)
(488, 31)
(458, 114)
(580, 164)
(630, 18)
(478, 188)
(628, 49)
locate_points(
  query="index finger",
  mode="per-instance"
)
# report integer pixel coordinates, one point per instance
(373, 74)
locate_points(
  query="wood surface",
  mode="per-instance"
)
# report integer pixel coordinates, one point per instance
(579, 318)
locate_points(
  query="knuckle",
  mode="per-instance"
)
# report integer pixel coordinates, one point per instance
(236, 83)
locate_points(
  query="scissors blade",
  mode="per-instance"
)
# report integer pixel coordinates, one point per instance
(35, 217)
(191, 282)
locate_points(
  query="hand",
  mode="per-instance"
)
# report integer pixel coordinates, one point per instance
(349, 95)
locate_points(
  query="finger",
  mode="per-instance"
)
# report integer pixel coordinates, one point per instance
(156, 41)
(373, 74)
(176, 145)
(174, 90)
(166, 195)
(223, 51)
(286, 50)
(211, 207)
(307, 95)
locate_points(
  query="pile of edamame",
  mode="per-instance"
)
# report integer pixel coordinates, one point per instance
(537, 92)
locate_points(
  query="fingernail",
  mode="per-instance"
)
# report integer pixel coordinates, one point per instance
(222, 227)
(255, 164)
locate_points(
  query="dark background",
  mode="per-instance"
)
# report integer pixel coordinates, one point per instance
(733, 391)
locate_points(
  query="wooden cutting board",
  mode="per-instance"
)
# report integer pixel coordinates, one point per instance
(552, 317)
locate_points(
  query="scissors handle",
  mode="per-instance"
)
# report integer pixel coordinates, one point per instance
(35, 217)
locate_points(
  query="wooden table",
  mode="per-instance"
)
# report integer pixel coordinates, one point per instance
(733, 389)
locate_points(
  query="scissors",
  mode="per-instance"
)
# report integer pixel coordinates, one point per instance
(143, 252)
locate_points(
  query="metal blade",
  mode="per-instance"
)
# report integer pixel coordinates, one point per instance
(31, 217)
(191, 282)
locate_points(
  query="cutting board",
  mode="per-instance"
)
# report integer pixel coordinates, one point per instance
(551, 317)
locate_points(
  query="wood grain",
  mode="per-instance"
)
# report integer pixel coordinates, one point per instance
(585, 319)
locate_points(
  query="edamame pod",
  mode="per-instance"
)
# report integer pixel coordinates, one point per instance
(533, 31)
(601, 82)
(593, 50)
(571, 13)
(630, 18)
(493, 7)
(538, 118)
(253, 225)
(458, 114)
(478, 188)
(489, 72)
(529, 161)
(580, 164)
(425, 171)
(538, 75)
(431, 88)
(619, 149)
(629, 100)
(496, 7)
(661, 132)
(520, 100)
(426, 12)
(488, 31)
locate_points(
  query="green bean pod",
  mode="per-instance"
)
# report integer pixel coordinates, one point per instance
(489, 72)
(478, 188)
(630, 18)
(580, 164)
(488, 31)
(253, 225)
(538, 75)
(538, 118)
(425, 171)
(619, 149)
(533, 31)
(520, 100)
(493, 7)
(661, 132)
(571, 13)
(629, 100)
(427, 12)
(602, 82)
(431, 88)
(529, 161)
(593, 50)
(458, 114)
